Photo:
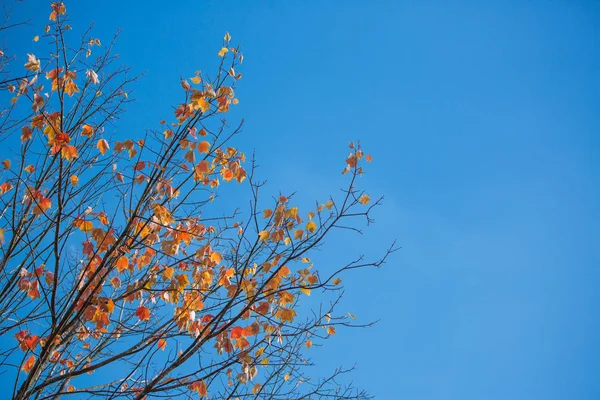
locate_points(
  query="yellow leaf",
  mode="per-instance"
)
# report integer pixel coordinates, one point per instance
(215, 256)
(286, 314)
(201, 103)
(74, 180)
(336, 281)
(311, 226)
(286, 377)
(227, 37)
(305, 259)
(263, 236)
(351, 315)
(168, 273)
(329, 204)
(196, 79)
(223, 51)
(306, 291)
(364, 199)
(36, 38)
(331, 330)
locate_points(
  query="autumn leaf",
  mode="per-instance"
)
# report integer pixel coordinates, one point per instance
(26, 133)
(71, 88)
(162, 343)
(285, 314)
(122, 263)
(115, 282)
(93, 76)
(215, 256)
(336, 281)
(331, 330)
(200, 103)
(308, 344)
(143, 313)
(168, 273)
(87, 130)
(32, 64)
(6, 164)
(223, 51)
(203, 147)
(364, 199)
(311, 226)
(263, 236)
(267, 213)
(199, 387)
(28, 365)
(5, 187)
(74, 180)
(102, 146)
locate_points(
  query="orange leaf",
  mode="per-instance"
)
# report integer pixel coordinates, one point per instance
(203, 146)
(122, 263)
(162, 343)
(168, 273)
(364, 199)
(87, 130)
(143, 313)
(199, 387)
(28, 364)
(215, 256)
(102, 146)
(26, 133)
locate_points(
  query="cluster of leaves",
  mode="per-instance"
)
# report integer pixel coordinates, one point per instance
(136, 281)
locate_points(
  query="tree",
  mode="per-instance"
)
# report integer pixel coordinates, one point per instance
(113, 281)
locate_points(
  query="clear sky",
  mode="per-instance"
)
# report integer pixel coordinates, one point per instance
(483, 120)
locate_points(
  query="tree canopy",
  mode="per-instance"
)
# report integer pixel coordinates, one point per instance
(114, 281)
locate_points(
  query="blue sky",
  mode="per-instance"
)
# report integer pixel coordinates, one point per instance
(483, 121)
